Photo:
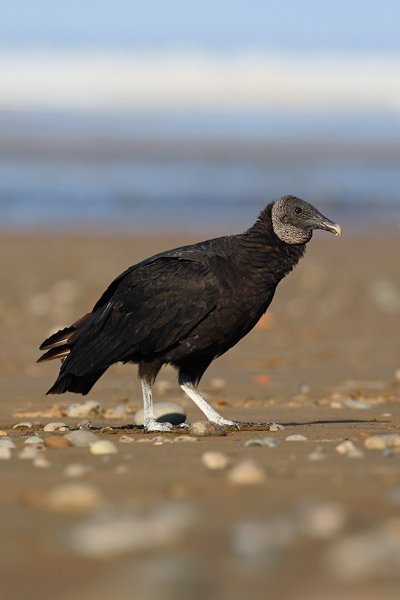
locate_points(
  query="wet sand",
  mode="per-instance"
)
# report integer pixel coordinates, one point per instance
(318, 524)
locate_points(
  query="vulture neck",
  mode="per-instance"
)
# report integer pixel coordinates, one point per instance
(266, 252)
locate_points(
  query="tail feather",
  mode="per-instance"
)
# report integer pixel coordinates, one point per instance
(67, 382)
(61, 345)
(56, 352)
(63, 335)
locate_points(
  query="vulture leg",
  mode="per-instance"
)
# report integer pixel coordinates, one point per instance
(150, 423)
(208, 410)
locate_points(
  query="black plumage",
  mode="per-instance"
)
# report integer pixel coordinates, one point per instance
(185, 306)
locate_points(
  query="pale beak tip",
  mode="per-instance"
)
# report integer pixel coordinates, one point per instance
(337, 229)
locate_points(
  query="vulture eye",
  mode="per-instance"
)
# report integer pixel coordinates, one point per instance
(297, 210)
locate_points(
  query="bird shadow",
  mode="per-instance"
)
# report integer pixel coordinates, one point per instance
(244, 425)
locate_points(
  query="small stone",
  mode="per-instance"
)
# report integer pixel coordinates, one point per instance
(276, 427)
(159, 440)
(56, 427)
(375, 442)
(28, 453)
(162, 386)
(379, 442)
(358, 404)
(117, 412)
(73, 497)
(388, 452)
(349, 449)
(296, 437)
(215, 460)
(113, 535)
(250, 443)
(107, 430)
(322, 520)
(126, 439)
(206, 428)
(317, 454)
(33, 439)
(82, 410)
(41, 462)
(3, 433)
(270, 442)
(81, 438)
(303, 388)
(22, 426)
(57, 441)
(164, 412)
(103, 447)
(335, 404)
(397, 376)
(246, 472)
(185, 438)
(76, 470)
(6, 442)
(217, 384)
(5, 453)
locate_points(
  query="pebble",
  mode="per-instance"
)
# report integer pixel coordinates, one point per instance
(126, 439)
(76, 470)
(6, 442)
(397, 376)
(317, 454)
(56, 427)
(82, 410)
(185, 438)
(217, 384)
(111, 535)
(57, 441)
(164, 412)
(349, 449)
(322, 520)
(22, 426)
(335, 404)
(5, 453)
(270, 442)
(33, 439)
(246, 472)
(358, 404)
(365, 555)
(296, 437)
(117, 412)
(108, 430)
(41, 462)
(250, 443)
(28, 453)
(215, 460)
(81, 438)
(276, 427)
(3, 433)
(73, 497)
(303, 388)
(103, 447)
(206, 428)
(380, 442)
(162, 386)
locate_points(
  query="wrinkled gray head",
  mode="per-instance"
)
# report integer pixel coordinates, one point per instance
(294, 220)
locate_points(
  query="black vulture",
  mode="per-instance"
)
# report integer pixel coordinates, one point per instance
(185, 306)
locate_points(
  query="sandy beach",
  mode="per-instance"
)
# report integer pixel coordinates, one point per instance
(151, 520)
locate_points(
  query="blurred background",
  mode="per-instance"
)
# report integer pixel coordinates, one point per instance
(162, 115)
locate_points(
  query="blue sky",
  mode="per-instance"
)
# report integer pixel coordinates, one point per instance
(338, 26)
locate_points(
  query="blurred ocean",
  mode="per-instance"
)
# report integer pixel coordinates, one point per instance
(202, 144)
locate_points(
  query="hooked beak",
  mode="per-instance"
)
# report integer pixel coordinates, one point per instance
(322, 222)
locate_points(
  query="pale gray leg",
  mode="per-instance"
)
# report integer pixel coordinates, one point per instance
(208, 410)
(150, 424)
